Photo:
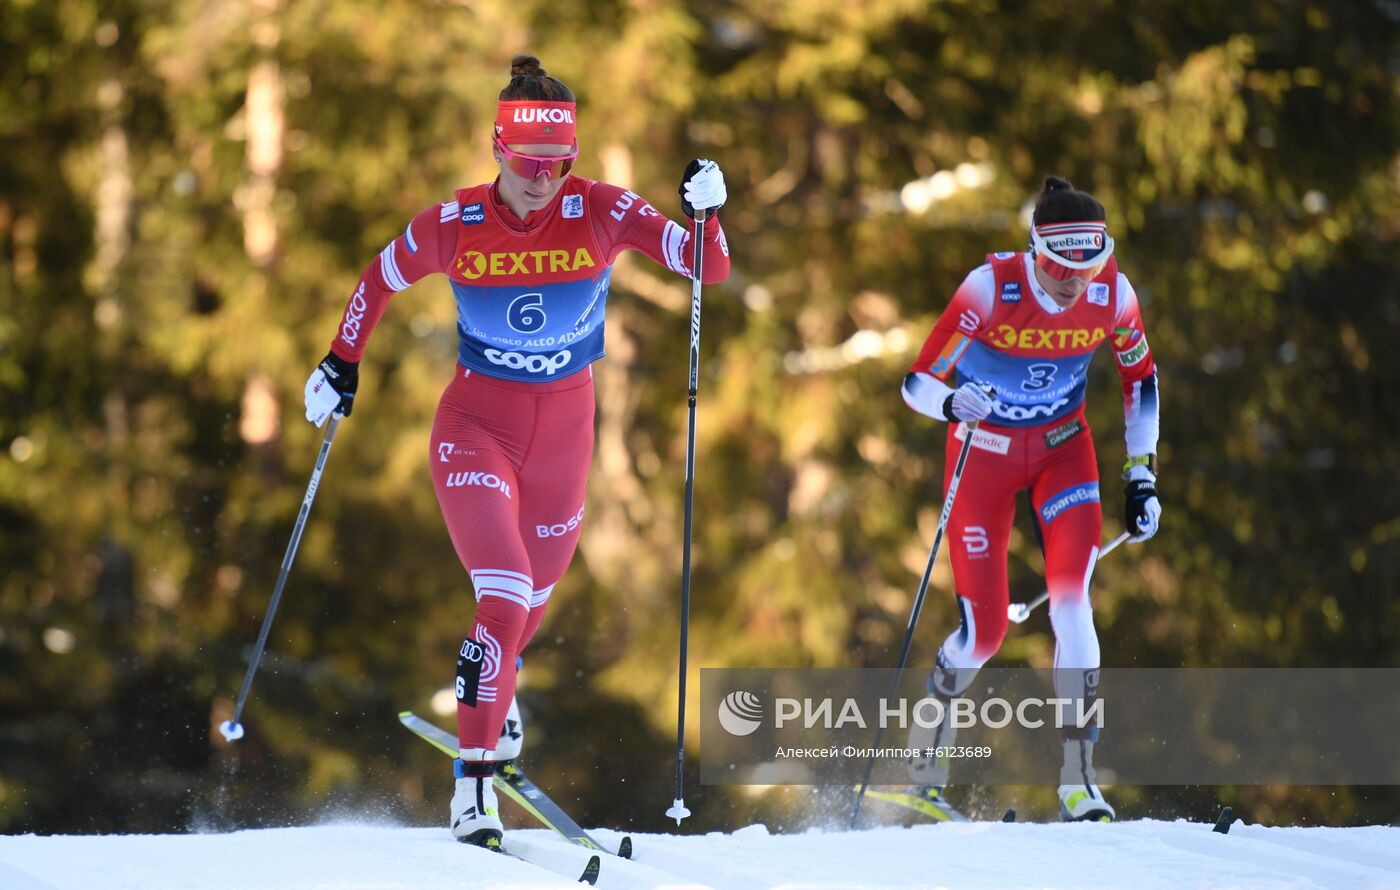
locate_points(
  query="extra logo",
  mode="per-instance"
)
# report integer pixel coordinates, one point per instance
(572, 207)
(1098, 294)
(740, 713)
(473, 214)
(485, 480)
(541, 363)
(1088, 493)
(1007, 337)
(473, 264)
(354, 314)
(1011, 291)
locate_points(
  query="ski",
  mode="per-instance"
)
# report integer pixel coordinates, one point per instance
(513, 782)
(920, 801)
(590, 871)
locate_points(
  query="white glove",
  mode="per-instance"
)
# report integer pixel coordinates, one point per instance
(969, 402)
(704, 187)
(331, 387)
(321, 398)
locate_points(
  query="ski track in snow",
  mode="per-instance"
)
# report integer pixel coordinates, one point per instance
(1144, 855)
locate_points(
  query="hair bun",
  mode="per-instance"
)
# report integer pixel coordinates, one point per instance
(1056, 184)
(526, 66)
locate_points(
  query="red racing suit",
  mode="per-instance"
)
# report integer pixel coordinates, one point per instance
(1001, 329)
(513, 436)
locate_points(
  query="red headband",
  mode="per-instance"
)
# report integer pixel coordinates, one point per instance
(536, 123)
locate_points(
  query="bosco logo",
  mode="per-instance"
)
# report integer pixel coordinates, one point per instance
(534, 364)
(354, 314)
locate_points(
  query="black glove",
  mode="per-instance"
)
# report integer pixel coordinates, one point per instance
(1141, 510)
(341, 377)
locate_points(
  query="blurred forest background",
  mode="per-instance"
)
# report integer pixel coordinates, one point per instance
(190, 188)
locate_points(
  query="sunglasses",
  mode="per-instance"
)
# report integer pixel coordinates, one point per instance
(531, 166)
(1060, 272)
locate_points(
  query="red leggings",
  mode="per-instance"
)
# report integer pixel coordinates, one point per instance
(1056, 463)
(510, 463)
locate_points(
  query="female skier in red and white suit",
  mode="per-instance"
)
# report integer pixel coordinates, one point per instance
(1012, 352)
(529, 257)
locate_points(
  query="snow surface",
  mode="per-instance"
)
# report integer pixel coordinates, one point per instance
(976, 856)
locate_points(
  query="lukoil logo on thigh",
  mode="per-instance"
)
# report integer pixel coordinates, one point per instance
(486, 480)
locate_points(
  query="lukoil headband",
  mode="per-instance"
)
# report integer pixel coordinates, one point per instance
(532, 122)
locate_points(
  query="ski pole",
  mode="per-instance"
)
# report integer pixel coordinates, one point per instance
(232, 730)
(971, 430)
(678, 809)
(1019, 612)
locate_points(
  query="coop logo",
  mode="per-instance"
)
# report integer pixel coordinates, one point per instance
(485, 480)
(1088, 493)
(740, 713)
(473, 214)
(1027, 412)
(533, 364)
(354, 314)
(1011, 291)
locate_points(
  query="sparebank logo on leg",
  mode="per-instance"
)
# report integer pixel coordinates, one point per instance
(740, 713)
(1088, 493)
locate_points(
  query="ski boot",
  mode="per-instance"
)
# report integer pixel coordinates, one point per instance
(475, 811)
(1084, 803)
